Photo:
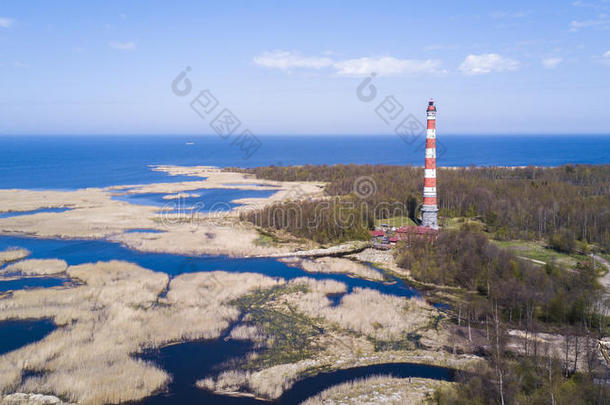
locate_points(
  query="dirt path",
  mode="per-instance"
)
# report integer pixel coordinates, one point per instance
(605, 280)
(337, 250)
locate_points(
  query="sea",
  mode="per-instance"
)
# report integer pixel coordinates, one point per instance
(71, 162)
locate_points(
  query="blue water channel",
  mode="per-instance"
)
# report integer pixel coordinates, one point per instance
(25, 283)
(75, 251)
(40, 210)
(206, 200)
(187, 362)
(15, 334)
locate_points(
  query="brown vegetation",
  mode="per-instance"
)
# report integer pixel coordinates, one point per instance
(571, 201)
(115, 313)
(11, 255)
(335, 265)
(327, 220)
(40, 267)
(301, 332)
(383, 390)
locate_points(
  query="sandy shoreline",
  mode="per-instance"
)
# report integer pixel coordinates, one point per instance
(94, 214)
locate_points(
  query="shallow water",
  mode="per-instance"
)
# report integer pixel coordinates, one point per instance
(143, 230)
(190, 361)
(20, 213)
(25, 283)
(308, 387)
(75, 252)
(250, 184)
(16, 334)
(207, 200)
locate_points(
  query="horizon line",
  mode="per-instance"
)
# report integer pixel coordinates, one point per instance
(137, 134)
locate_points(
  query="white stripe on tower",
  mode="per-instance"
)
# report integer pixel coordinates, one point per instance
(430, 209)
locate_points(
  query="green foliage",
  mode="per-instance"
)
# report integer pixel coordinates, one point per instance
(526, 380)
(465, 258)
(563, 241)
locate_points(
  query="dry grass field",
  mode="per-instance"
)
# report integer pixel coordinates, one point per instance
(379, 390)
(115, 313)
(11, 255)
(324, 336)
(335, 265)
(36, 267)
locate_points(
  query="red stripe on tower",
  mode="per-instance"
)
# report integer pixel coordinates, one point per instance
(430, 209)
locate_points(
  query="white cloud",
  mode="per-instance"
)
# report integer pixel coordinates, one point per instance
(6, 22)
(606, 58)
(601, 23)
(487, 63)
(122, 46)
(286, 60)
(551, 63)
(386, 66)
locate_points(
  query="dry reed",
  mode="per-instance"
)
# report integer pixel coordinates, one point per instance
(114, 314)
(40, 267)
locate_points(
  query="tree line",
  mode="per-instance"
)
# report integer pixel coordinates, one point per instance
(502, 292)
(523, 292)
(332, 220)
(563, 204)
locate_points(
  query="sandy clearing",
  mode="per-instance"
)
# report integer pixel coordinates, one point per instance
(330, 265)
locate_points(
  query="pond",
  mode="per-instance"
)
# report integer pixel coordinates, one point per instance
(189, 362)
(16, 334)
(24, 283)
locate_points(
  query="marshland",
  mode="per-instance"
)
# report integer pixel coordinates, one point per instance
(128, 302)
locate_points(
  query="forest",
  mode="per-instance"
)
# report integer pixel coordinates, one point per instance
(528, 296)
(567, 205)
(331, 220)
(502, 292)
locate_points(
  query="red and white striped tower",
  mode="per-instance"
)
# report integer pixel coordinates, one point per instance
(430, 209)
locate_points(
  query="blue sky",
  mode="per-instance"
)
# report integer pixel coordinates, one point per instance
(79, 67)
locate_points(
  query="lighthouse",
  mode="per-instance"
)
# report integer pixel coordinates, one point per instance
(430, 209)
